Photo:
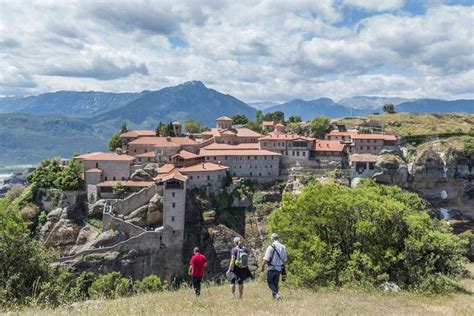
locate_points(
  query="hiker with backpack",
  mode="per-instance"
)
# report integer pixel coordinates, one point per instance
(197, 265)
(275, 259)
(238, 268)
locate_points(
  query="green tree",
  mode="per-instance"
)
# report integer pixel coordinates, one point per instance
(295, 128)
(294, 119)
(318, 126)
(119, 190)
(389, 108)
(124, 128)
(69, 177)
(239, 119)
(165, 130)
(277, 116)
(254, 126)
(366, 235)
(83, 282)
(115, 142)
(111, 285)
(192, 126)
(23, 260)
(259, 116)
(45, 175)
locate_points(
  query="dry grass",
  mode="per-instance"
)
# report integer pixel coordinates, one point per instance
(419, 124)
(216, 300)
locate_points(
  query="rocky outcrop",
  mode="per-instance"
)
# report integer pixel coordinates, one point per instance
(108, 238)
(428, 170)
(391, 169)
(141, 175)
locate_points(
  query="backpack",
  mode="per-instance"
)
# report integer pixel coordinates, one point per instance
(242, 258)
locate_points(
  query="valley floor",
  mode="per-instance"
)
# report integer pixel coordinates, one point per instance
(216, 300)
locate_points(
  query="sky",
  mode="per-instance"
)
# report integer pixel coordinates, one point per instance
(254, 50)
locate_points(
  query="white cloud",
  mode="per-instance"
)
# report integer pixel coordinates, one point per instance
(376, 5)
(255, 50)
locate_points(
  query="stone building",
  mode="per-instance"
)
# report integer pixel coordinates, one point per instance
(162, 147)
(363, 165)
(373, 143)
(225, 133)
(205, 175)
(110, 166)
(325, 151)
(132, 135)
(248, 163)
(292, 147)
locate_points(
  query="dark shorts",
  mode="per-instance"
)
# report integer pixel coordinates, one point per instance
(242, 275)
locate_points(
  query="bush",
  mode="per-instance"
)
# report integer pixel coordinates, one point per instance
(80, 291)
(151, 283)
(97, 223)
(365, 235)
(50, 174)
(54, 289)
(110, 285)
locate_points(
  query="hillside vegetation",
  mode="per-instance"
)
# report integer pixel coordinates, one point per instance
(404, 124)
(216, 300)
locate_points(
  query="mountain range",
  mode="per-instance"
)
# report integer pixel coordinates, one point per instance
(64, 122)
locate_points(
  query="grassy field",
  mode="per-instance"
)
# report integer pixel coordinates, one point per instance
(418, 124)
(216, 300)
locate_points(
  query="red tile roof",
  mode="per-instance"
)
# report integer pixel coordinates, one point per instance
(126, 183)
(166, 168)
(185, 155)
(217, 146)
(175, 174)
(137, 133)
(363, 158)
(242, 152)
(375, 136)
(94, 170)
(241, 132)
(163, 141)
(349, 132)
(328, 145)
(149, 154)
(224, 118)
(202, 167)
(110, 156)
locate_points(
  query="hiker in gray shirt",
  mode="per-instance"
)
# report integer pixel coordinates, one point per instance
(275, 259)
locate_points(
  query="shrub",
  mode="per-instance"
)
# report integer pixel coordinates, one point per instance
(80, 291)
(50, 174)
(151, 283)
(365, 235)
(110, 285)
(54, 289)
(97, 223)
(119, 190)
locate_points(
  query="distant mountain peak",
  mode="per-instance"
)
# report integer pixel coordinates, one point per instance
(194, 83)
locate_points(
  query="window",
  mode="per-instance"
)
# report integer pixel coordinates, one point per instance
(113, 178)
(146, 150)
(208, 177)
(298, 153)
(368, 147)
(250, 174)
(260, 174)
(215, 158)
(134, 150)
(172, 218)
(172, 194)
(173, 205)
(304, 153)
(225, 157)
(264, 143)
(97, 165)
(235, 174)
(240, 167)
(255, 157)
(123, 178)
(218, 176)
(105, 178)
(269, 173)
(199, 177)
(361, 148)
(293, 153)
(174, 231)
(248, 157)
(207, 158)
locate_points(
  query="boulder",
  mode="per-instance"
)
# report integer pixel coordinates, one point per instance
(108, 238)
(64, 233)
(97, 208)
(154, 218)
(391, 169)
(150, 169)
(141, 175)
(138, 213)
(428, 170)
(55, 214)
(28, 213)
(390, 287)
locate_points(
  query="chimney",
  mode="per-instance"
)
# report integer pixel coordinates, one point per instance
(118, 151)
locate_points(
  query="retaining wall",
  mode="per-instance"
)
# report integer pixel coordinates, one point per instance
(112, 222)
(135, 200)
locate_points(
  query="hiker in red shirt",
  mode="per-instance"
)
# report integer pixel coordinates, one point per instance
(196, 270)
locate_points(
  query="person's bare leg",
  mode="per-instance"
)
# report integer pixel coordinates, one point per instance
(241, 290)
(232, 289)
